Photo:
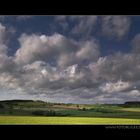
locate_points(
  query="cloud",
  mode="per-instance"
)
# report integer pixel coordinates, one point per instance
(83, 83)
(135, 93)
(5, 34)
(6, 62)
(33, 61)
(24, 17)
(117, 66)
(59, 68)
(112, 27)
(136, 44)
(89, 50)
(114, 87)
(41, 75)
(36, 76)
(115, 26)
(17, 17)
(73, 84)
(85, 24)
(2, 33)
(81, 26)
(64, 51)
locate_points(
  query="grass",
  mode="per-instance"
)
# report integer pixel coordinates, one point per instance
(22, 112)
(66, 120)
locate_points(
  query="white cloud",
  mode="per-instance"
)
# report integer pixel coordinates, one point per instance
(6, 62)
(115, 87)
(136, 44)
(3, 49)
(89, 50)
(82, 26)
(134, 93)
(24, 17)
(2, 33)
(30, 73)
(115, 26)
(100, 77)
(85, 24)
(5, 34)
(66, 51)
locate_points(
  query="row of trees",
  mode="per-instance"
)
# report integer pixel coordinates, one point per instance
(44, 113)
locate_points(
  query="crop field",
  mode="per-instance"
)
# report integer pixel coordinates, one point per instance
(65, 120)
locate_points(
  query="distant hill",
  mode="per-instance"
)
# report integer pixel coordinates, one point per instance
(42, 102)
(40, 108)
(13, 101)
(22, 103)
(17, 101)
(132, 103)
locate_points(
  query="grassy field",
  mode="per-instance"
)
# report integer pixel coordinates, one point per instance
(36, 112)
(65, 120)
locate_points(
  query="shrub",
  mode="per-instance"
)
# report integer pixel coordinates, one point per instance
(102, 110)
(84, 109)
(1, 106)
(10, 112)
(44, 113)
(38, 113)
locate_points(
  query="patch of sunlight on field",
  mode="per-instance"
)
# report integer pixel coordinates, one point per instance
(131, 109)
(65, 120)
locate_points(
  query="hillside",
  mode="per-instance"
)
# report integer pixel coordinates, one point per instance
(132, 103)
(40, 108)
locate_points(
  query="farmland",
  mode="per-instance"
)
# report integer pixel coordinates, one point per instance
(65, 120)
(38, 112)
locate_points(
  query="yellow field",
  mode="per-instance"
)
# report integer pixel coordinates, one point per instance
(131, 109)
(65, 120)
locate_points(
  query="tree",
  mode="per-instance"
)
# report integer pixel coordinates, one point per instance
(77, 106)
(10, 112)
(84, 109)
(1, 106)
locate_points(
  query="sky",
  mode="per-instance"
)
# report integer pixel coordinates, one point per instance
(70, 58)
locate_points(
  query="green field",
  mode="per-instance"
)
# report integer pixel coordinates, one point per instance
(37, 112)
(65, 120)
